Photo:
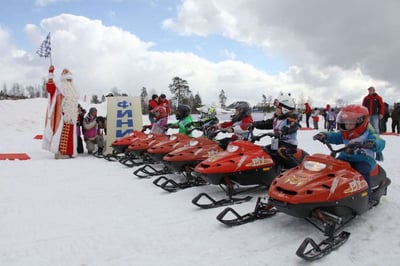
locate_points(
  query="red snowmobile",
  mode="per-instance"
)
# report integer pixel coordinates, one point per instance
(120, 146)
(137, 149)
(159, 150)
(184, 159)
(243, 164)
(325, 191)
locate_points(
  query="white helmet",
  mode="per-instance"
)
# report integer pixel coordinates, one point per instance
(286, 102)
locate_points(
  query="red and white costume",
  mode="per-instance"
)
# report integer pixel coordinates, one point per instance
(60, 126)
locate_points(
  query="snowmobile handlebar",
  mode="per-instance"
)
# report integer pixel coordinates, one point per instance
(259, 137)
(349, 148)
(214, 133)
(145, 127)
(207, 122)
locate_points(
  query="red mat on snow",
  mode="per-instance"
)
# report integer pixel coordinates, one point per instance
(38, 137)
(390, 134)
(14, 156)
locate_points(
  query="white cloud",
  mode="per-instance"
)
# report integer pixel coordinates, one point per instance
(102, 57)
(326, 34)
(43, 3)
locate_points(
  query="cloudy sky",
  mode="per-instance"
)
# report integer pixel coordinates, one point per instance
(320, 51)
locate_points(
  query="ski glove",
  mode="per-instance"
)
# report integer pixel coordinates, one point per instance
(355, 145)
(285, 130)
(320, 136)
(351, 147)
(172, 126)
(263, 124)
(278, 134)
(369, 144)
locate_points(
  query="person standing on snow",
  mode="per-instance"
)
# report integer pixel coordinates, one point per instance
(308, 112)
(163, 101)
(60, 126)
(153, 103)
(376, 109)
(315, 118)
(375, 106)
(395, 115)
(331, 119)
(79, 127)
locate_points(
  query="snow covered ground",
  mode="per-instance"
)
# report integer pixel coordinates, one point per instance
(92, 212)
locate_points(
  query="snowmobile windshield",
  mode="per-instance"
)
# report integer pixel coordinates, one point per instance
(193, 142)
(314, 166)
(232, 148)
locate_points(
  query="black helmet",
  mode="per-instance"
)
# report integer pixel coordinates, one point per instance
(182, 111)
(243, 110)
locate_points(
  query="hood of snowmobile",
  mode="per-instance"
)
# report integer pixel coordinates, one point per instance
(127, 140)
(173, 142)
(240, 155)
(319, 178)
(198, 149)
(145, 143)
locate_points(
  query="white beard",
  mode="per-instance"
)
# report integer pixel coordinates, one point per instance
(70, 104)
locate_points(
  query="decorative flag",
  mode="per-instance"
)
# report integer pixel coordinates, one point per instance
(45, 48)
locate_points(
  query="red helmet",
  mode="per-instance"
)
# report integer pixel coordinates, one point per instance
(356, 115)
(159, 112)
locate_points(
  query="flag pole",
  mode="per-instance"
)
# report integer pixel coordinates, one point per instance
(50, 55)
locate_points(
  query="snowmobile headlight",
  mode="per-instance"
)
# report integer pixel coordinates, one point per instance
(172, 137)
(232, 148)
(314, 166)
(193, 142)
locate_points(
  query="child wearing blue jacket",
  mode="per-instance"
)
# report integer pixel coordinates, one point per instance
(354, 127)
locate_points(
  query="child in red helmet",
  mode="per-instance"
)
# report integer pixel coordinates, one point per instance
(354, 127)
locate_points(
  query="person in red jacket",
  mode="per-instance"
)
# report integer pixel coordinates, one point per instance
(163, 101)
(60, 135)
(153, 103)
(375, 106)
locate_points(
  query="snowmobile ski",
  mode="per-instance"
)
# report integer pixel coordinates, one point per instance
(148, 171)
(130, 159)
(170, 185)
(261, 211)
(134, 160)
(217, 203)
(112, 157)
(309, 250)
(98, 153)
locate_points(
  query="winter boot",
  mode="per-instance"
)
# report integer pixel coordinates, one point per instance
(61, 156)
